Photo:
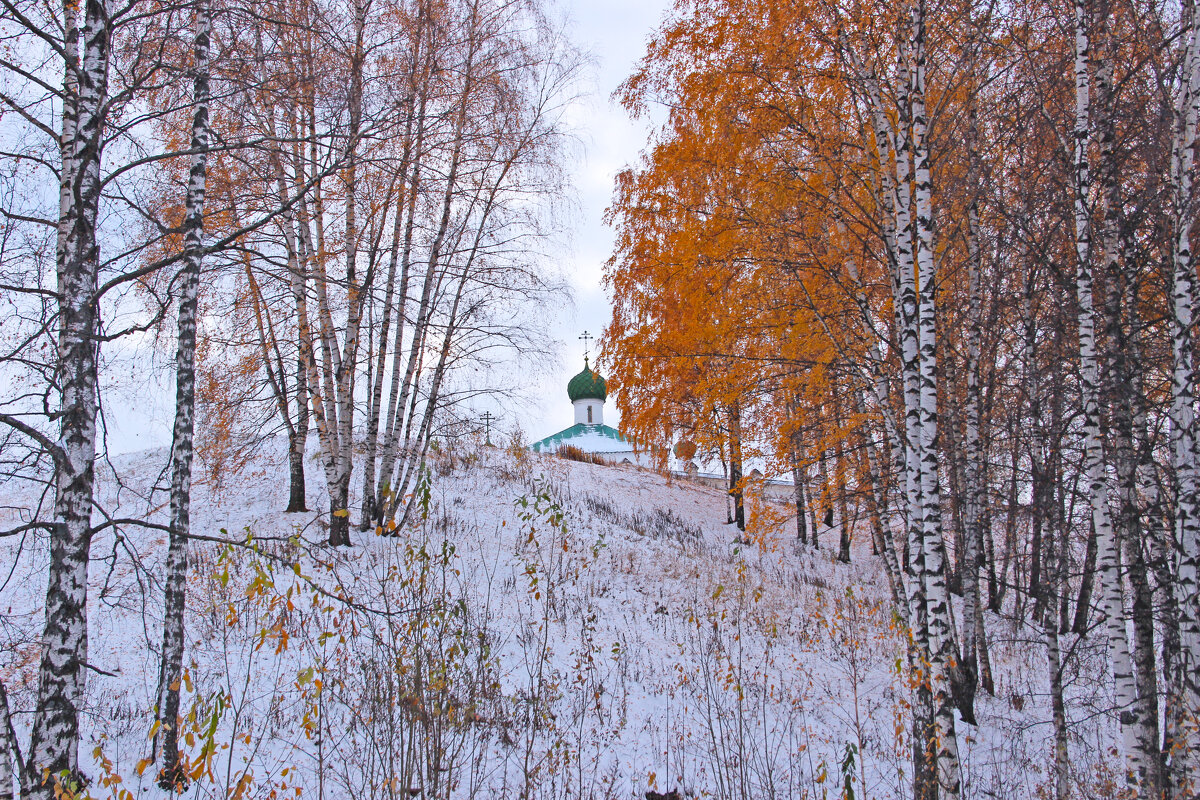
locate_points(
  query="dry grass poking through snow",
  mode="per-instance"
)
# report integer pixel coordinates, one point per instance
(544, 629)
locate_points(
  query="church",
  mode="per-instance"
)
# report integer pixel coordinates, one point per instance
(587, 392)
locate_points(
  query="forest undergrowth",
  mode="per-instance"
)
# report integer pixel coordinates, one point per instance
(539, 629)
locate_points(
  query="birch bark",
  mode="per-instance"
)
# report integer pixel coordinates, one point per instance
(843, 507)
(735, 468)
(297, 284)
(1184, 685)
(941, 644)
(908, 232)
(395, 451)
(1123, 370)
(331, 376)
(375, 401)
(10, 756)
(926, 775)
(376, 489)
(54, 741)
(1108, 555)
(973, 511)
(171, 775)
(1062, 761)
(346, 367)
(899, 238)
(798, 498)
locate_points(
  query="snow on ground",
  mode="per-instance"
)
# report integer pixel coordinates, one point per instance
(542, 628)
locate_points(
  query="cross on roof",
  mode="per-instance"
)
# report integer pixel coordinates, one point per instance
(585, 337)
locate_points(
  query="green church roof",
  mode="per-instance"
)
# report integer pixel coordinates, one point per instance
(587, 385)
(591, 438)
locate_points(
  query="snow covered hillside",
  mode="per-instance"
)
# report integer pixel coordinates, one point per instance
(542, 628)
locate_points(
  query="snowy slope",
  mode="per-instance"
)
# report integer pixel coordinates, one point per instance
(544, 628)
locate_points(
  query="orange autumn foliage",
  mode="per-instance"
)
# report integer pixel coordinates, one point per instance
(749, 267)
(728, 275)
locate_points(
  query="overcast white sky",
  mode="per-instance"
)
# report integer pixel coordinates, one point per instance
(140, 401)
(615, 33)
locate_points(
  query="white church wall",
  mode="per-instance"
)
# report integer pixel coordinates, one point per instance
(582, 408)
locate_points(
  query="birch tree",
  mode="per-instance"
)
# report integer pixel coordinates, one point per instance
(1184, 697)
(52, 757)
(100, 117)
(903, 235)
(1108, 548)
(171, 670)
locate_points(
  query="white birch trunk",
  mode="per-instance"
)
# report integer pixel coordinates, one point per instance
(297, 429)
(398, 394)
(907, 303)
(171, 775)
(973, 535)
(1058, 710)
(798, 479)
(320, 371)
(876, 380)
(904, 287)
(1123, 378)
(70, 111)
(1183, 682)
(1108, 559)
(941, 644)
(395, 464)
(395, 301)
(345, 367)
(908, 237)
(10, 759)
(54, 742)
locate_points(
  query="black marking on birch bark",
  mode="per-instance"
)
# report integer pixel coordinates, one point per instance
(171, 773)
(54, 740)
(398, 465)
(1182, 599)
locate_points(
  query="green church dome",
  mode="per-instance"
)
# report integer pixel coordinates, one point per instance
(587, 385)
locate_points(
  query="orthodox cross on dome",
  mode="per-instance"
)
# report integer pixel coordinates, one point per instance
(585, 337)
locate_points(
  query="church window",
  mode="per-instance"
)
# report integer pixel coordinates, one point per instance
(589, 415)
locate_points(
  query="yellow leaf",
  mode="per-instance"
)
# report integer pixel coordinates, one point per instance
(341, 512)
